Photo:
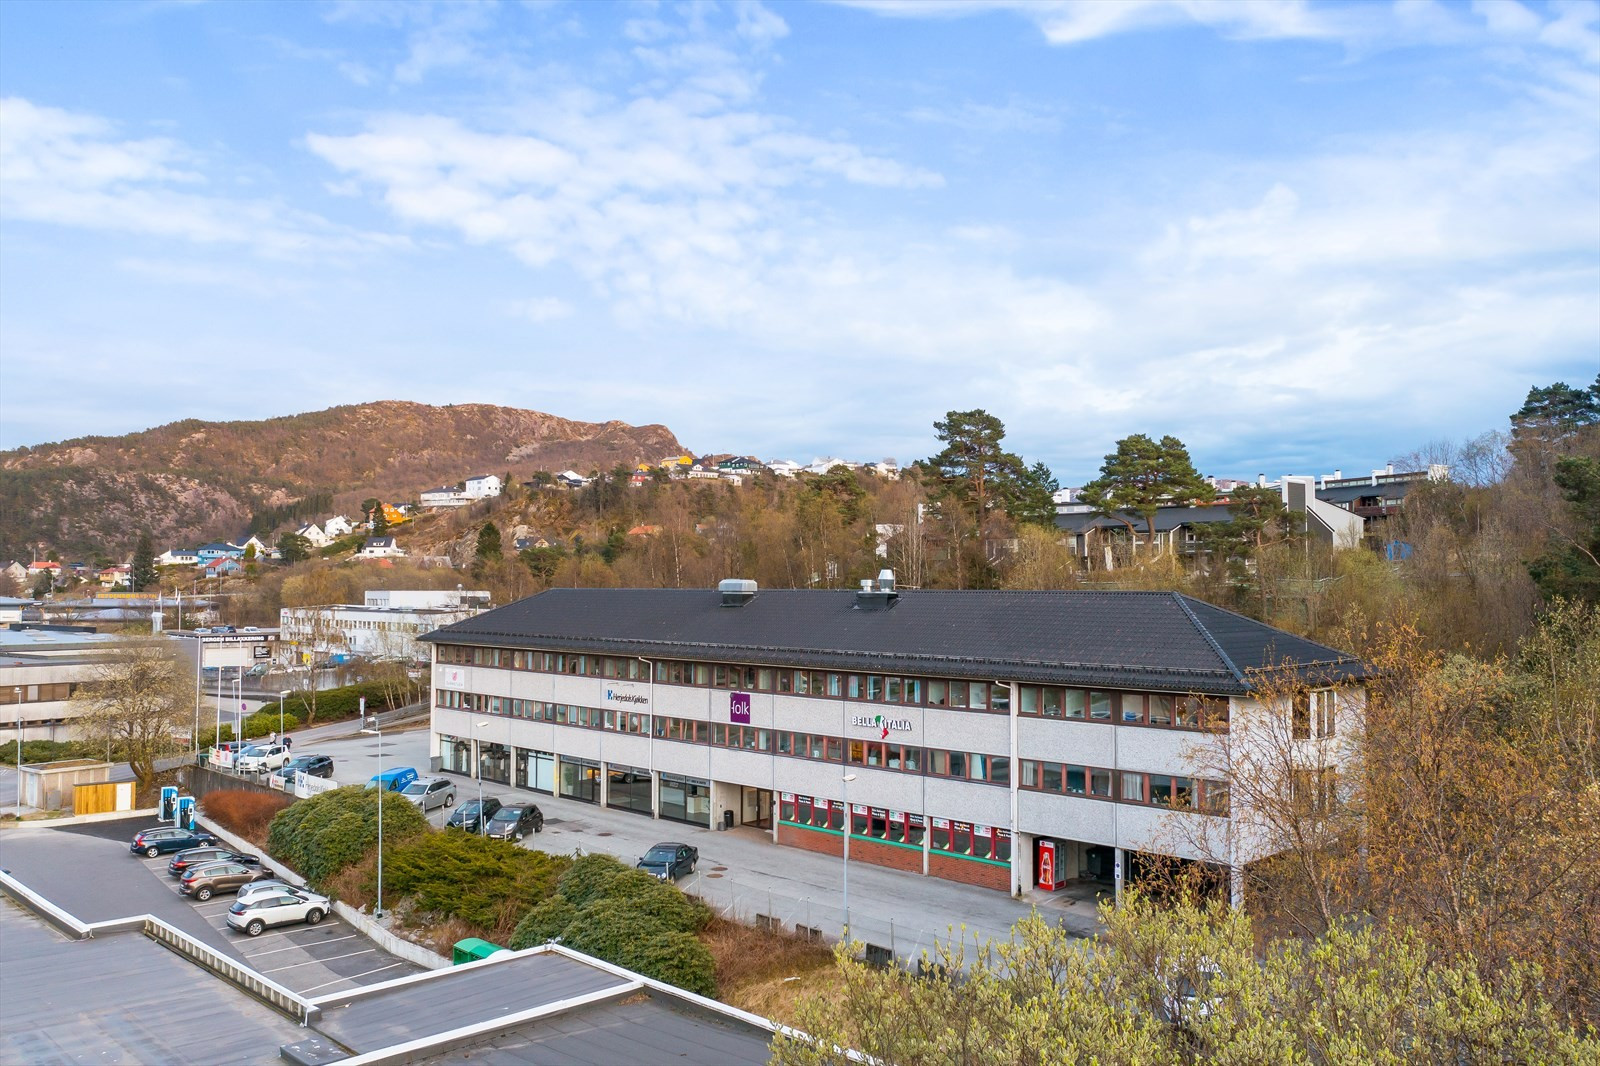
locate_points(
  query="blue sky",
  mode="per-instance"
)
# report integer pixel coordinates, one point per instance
(1298, 236)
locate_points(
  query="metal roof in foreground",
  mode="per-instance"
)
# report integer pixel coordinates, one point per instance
(1159, 640)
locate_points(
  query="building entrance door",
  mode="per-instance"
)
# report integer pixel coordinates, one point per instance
(757, 807)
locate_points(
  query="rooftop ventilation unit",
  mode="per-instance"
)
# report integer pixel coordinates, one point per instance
(736, 591)
(877, 595)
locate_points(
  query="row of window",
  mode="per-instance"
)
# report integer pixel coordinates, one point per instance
(948, 837)
(1047, 701)
(1155, 790)
(1312, 713)
(61, 690)
(634, 722)
(1128, 708)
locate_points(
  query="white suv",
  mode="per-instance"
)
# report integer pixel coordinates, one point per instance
(260, 758)
(262, 909)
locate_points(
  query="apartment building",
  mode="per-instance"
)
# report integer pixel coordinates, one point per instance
(1004, 739)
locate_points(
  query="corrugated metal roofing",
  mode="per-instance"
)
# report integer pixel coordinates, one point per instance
(1160, 640)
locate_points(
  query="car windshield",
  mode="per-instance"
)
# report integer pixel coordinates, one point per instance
(253, 750)
(660, 854)
(416, 788)
(507, 814)
(469, 807)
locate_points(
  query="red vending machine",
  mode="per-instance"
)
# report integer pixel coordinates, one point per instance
(1048, 863)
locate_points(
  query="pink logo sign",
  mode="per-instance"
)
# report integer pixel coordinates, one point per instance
(739, 707)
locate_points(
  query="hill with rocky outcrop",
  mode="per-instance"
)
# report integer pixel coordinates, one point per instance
(193, 481)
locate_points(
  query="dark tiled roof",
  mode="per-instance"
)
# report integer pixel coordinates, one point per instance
(1159, 640)
(1167, 519)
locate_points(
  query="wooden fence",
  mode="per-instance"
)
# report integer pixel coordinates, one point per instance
(103, 798)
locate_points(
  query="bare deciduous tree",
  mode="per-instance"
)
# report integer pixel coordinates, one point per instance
(138, 702)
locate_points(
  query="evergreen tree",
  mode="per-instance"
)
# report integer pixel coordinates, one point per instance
(1555, 412)
(142, 574)
(489, 547)
(293, 548)
(974, 469)
(1035, 499)
(1141, 476)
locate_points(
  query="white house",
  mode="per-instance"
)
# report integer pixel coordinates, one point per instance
(444, 496)
(784, 467)
(572, 479)
(314, 535)
(338, 526)
(384, 627)
(887, 469)
(483, 487)
(380, 548)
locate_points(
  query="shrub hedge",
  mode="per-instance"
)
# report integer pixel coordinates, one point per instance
(488, 883)
(322, 835)
(609, 910)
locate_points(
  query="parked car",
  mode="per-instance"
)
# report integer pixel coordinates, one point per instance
(431, 793)
(313, 765)
(271, 884)
(467, 815)
(210, 853)
(395, 779)
(260, 758)
(153, 842)
(669, 860)
(515, 821)
(202, 882)
(253, 914)
(233, 747)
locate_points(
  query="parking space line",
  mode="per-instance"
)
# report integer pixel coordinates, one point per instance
(352, 978)
(308, 962)
(293, 945)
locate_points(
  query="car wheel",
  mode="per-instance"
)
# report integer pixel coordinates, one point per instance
(255, 927)
(203, 894)
(313, 916)
(449, 799)
(152, 851)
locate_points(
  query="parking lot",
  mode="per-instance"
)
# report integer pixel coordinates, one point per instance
(88, 871)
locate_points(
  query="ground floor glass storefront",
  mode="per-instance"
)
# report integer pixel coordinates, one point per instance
(455, 755)
(536, 770)
(686, 799)
(494, 763)
(628, 788)
(580, 780)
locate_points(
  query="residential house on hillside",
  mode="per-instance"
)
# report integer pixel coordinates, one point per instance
(15, 571)
(741, 464)
(250, 541)
(178, 557)
(380, 548)
(444, 496)
(115, 576)
(314, 535)
(338, 526)
(222, 566)
(644, 531)
(483, 486)
(44, 566)
(784, 467)
(887, 469)
(208, 553)
(571, 479)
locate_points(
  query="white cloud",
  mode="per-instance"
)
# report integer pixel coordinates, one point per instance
(1076, 21)
(541, 309)
(71, 169)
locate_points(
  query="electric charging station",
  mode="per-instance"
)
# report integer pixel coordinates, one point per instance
(185, 818)
(169, 803)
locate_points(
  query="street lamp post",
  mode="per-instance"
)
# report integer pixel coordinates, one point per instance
(382, 788)
(283, 698)
(848, 817)
(17, 692)
(477, 771)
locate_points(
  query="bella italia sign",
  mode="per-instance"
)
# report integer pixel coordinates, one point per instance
(882, 723)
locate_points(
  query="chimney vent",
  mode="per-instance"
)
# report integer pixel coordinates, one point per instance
(736, 591)
(879, 595)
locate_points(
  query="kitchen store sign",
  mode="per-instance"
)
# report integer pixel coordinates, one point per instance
(625, 695)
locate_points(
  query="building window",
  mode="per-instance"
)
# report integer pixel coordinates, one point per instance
(1133, 787)
(1325, 703)
(1300, 715)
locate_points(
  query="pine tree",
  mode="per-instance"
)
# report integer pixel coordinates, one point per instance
(1143, 474)
(142, 574)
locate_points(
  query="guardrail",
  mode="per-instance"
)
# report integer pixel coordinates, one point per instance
(235, 973)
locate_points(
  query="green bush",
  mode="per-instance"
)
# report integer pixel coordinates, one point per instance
(590, 878)
(324, 834)
(337, 703)
(547, 921)
(676, 958)
(482, 881)
(34, 751)
(614, 930)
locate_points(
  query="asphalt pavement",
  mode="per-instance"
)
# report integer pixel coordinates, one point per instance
(88, 871)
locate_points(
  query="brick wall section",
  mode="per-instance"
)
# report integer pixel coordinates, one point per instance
(982, 874)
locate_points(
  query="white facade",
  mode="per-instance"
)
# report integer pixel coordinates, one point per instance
(368, 631)
(338, 526)
(484, 486)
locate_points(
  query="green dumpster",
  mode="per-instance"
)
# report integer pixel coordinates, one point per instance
(472, 949)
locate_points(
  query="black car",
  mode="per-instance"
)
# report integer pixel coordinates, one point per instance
(313, 765)
(515, 822)
(153, 842)
(211, 853)
(466, 816)
(669, 860)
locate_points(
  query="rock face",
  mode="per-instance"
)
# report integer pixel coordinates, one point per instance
(191, 481)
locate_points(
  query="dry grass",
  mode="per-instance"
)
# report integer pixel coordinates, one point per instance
(766, 972)
(246, 813)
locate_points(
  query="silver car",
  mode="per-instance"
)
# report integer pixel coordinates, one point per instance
(432, 792)
(258, 912)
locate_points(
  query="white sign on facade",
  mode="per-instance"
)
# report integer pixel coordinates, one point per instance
(451, 677)
(625, 695)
